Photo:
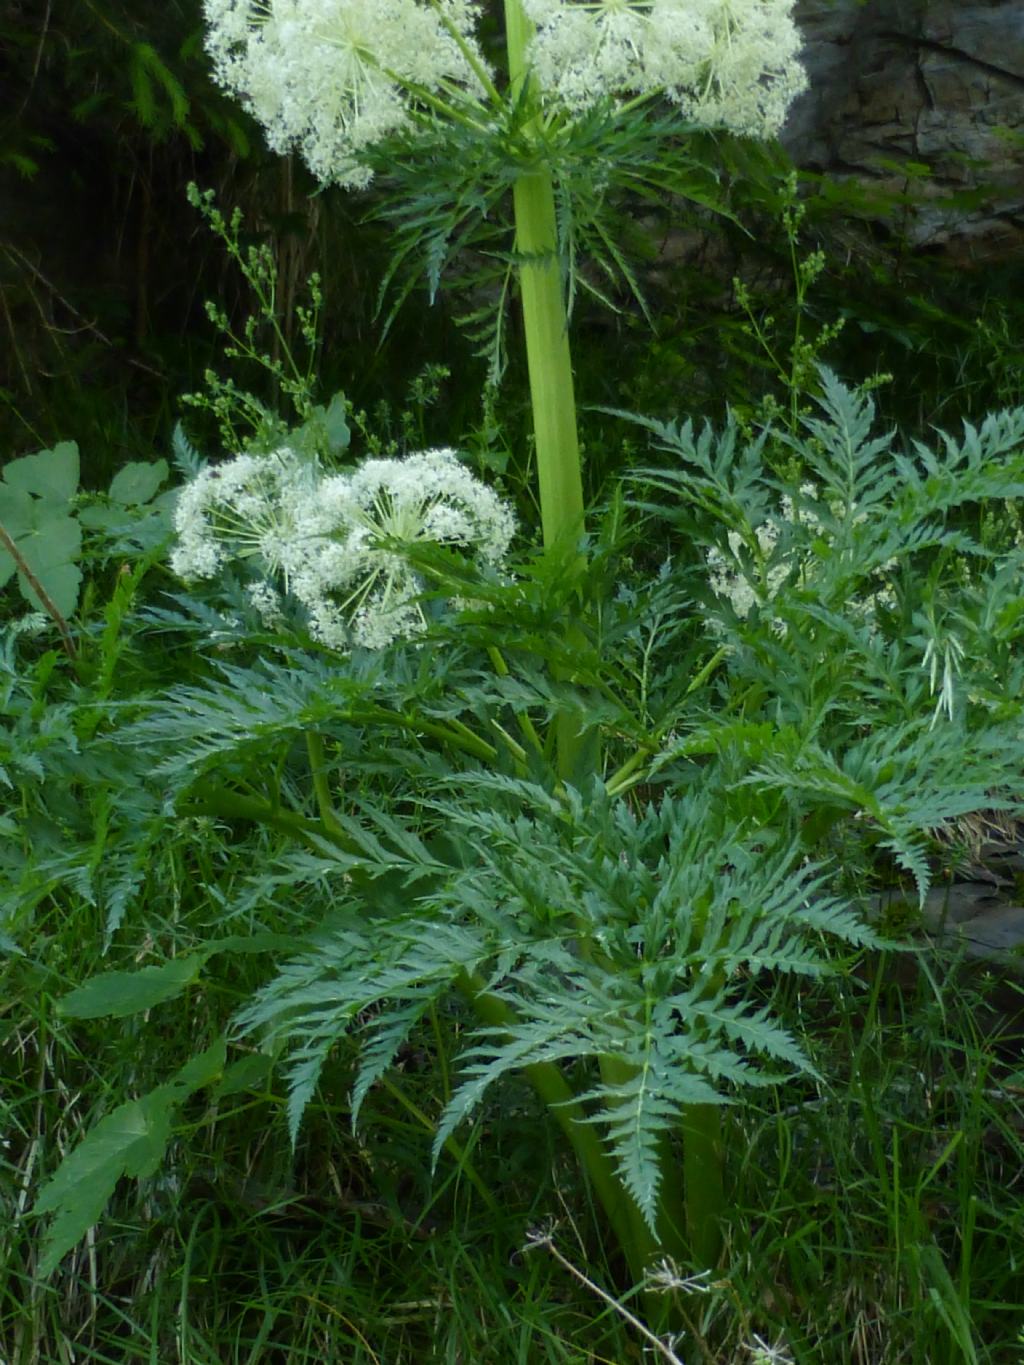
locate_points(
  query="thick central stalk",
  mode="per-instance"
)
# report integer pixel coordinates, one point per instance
(545, 322)
(560, 483)
(548, 359)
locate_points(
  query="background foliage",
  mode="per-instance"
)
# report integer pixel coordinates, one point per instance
(107, 112)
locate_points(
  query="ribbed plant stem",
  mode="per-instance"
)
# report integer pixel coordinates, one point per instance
(635, 1238)
(702, 1181)
(548, 358)
(545, 324)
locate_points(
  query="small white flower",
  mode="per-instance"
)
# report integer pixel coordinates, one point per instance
(335, 77)
(251, 507)
(726, 63)
(357, 584)
(763, 1354)
(666, 1275)
(267, 603)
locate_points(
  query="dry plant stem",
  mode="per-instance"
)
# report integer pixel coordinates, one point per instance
(47, 602)
(660, 1346)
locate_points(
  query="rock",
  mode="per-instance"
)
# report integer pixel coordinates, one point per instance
(921, 101)
(997, 935)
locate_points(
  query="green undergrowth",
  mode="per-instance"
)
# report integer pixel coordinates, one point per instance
(824, 678)
(875, 1221)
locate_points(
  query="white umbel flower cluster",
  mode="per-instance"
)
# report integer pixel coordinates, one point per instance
(332, 78)
(747, 580)
(356, 584)
(337, 544)
(726, 63)
(249, 508)
(729, 578)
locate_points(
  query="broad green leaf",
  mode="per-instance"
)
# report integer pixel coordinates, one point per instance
(49, 541)
(49, 474)
(115, 995)
(336, 423)
(203, 1070)
(52, 540)
(245, 1074)
(131, 1141)
(136, 483)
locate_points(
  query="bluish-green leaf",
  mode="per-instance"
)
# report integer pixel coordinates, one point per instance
(49, 474)
(61, 583)
(336, 424)
(15, 513)
(136, 483)
(49, 541)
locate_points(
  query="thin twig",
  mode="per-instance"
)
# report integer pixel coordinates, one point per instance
(47, 602)
(542, 1239)
(15, 254)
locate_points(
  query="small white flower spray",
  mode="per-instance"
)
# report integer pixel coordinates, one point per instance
(338, 544)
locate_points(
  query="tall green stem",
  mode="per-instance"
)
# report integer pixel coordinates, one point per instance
(559, 477)
(545, 323)
(560, 483)
(635, 1238)
(702, 1182)
(548, 358)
